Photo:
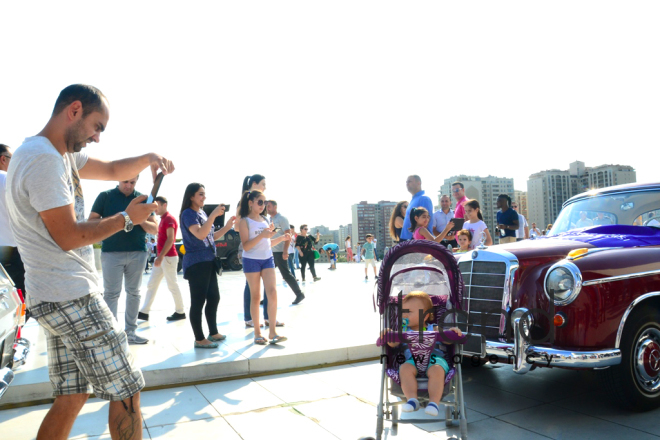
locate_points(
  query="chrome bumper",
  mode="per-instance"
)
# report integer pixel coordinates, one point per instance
(524, 355)
(6, 378)
(22, 348)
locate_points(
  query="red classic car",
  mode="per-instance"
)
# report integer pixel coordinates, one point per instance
(586, 296)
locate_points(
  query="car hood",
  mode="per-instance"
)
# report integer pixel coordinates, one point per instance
(545, 248)
(614, 236)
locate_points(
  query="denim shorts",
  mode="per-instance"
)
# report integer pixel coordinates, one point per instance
(250, 265)
(434, 360)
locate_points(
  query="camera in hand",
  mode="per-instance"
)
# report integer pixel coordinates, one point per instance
(219, 221)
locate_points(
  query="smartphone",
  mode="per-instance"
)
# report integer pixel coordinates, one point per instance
(458, 224)
(277, 229)
(154, 190)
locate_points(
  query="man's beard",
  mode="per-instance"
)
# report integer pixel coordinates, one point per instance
(75, 141)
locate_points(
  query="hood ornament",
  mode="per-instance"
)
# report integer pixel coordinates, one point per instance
(482, 240)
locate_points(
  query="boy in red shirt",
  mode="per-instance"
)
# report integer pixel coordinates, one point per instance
(165, 265)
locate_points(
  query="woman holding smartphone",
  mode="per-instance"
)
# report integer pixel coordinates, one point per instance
(251, 183)
(199, 262)
(256, 233)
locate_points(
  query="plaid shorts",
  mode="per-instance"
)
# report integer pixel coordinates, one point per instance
(87, 352)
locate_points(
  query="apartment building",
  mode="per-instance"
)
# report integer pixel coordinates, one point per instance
(548, 190)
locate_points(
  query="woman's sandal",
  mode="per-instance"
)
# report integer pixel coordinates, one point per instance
(211, 345)
(260, 340)
(212, 339)
(277, 323)
(277, 339)
(250, 324)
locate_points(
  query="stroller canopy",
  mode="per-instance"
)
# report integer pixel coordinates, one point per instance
(419, 265)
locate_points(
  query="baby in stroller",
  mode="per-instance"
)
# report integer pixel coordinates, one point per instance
(415, 307)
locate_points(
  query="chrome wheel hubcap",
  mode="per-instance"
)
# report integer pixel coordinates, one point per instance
(647, 360)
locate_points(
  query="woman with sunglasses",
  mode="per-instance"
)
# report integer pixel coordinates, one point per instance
(305, 246)
(251, 183)
(256, 233)
(199, 262)
(396, 220)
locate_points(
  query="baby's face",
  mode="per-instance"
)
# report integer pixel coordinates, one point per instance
(463, 241)
(415, 307)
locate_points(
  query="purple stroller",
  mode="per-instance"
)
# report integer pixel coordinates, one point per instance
(429, 267)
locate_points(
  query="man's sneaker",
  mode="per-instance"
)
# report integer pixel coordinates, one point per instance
(143, 316)
(134, 339)
(317, 278)
(366, 277)
(299, 298)
(176, 316)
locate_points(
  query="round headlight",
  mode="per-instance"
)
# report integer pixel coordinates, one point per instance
(563, 283)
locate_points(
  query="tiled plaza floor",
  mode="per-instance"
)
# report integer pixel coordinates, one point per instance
(340, 403)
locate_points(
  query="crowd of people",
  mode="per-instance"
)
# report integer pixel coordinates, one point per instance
(461, 228)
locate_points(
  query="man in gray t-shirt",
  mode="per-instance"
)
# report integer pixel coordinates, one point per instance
(86, 348)
(281, 250)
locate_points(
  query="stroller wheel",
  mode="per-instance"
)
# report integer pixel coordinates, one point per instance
(395, 416)
(448, 418)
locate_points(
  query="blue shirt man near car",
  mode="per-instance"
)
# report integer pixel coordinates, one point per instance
(507, 219)
(419, 200)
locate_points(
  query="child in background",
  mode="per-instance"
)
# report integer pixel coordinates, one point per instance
(475, 224)
(332, 255)
(368, 250)
(464, 238)
(419, 222)
(416, 304)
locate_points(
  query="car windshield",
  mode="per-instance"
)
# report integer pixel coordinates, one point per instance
(640, 208)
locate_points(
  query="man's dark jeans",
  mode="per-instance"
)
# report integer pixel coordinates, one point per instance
(282, 265)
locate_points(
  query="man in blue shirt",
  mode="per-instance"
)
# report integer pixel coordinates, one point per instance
(419, 200)
(507, 219)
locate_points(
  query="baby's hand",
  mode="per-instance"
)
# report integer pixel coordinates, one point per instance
(457, 331)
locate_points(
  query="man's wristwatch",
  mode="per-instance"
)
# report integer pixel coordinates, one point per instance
(128, 224)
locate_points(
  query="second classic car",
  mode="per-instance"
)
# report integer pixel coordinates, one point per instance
(587, 296)
(13, 349)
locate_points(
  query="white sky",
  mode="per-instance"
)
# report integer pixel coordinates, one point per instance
(367, 92)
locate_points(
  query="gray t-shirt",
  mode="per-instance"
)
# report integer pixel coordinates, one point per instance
(40, 178)
(280, 222)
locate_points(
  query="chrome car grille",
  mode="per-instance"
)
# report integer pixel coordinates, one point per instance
(484, 288)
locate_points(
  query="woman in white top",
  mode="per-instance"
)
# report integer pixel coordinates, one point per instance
(256, 233)
(475, 224)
